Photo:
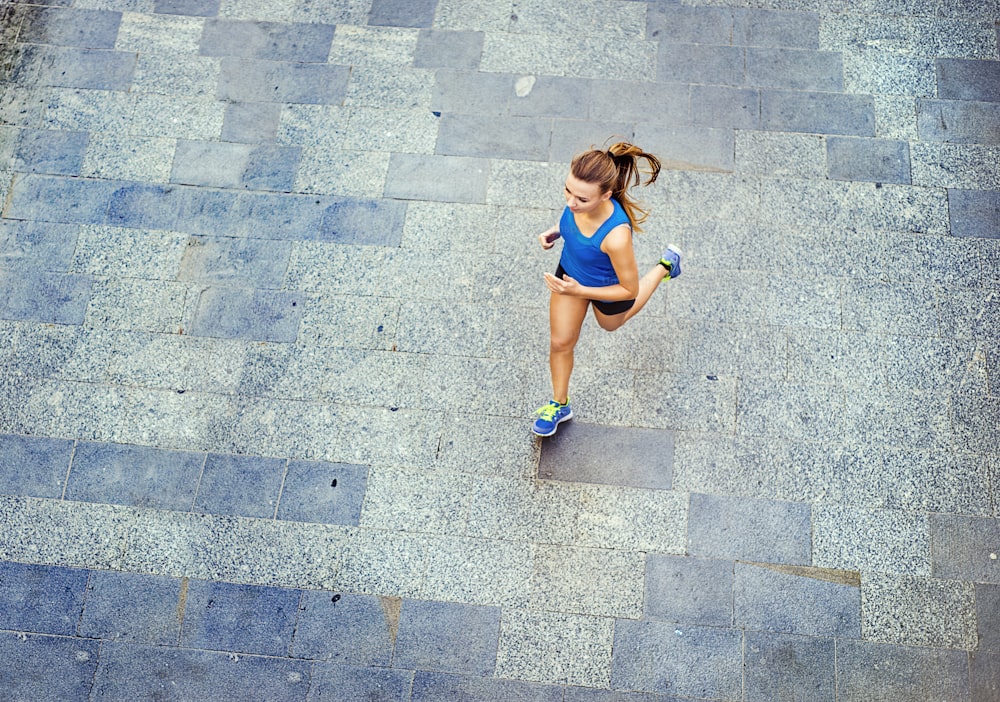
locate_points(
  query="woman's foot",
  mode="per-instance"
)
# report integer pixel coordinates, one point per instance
(550, 416)
(671, 261)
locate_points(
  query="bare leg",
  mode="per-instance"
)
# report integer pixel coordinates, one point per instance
(566, 315)
(647, 286)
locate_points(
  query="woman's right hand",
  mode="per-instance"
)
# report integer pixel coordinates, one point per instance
(548, 238)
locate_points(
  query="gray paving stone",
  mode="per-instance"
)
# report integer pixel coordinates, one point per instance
(689, 25)
(235, 165)
(776, 28)
(69, 67)
(351, 628)
(795, 69)
(963, 79)
(792, 603)
(80, 200)
(394, 14)
(974, 213)
(49, 151)
(133, 671)
(520, 138)
(878, 72)
(871, 540)
(964, 548)
(196, 8)
(256, 215)
(438, 48)
(609, 455)
(251, 122)
(330, 493)
(875, 160)
(691, 661)
(689, 148)
(90, 29)
(159, 34)
(436, 686)
(243, 80)
(787, 667)
(550, 96)
(568, 579)
(965, 166)
(269, 41)
(720, 106)
(701, 63)
(134, 475)
(34, 466)
(447, 637)
(476, 571)
(471, 92)
(114, 251)
(140, 205)
(817, 113)
(242, 485)
(132, 607)
(41, 599)
(919, 611)
(633, 101)
(330, 682)
(44, 297)
(958, 121)
(758, 530)
(689, 590)
(230, 313)
(47, 667)
(413, 501)
(118, 157)
(232, 261)
(868, 670)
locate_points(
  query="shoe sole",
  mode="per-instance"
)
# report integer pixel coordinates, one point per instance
(555, 428)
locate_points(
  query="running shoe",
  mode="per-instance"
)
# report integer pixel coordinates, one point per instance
(549, 418)
(671, 261)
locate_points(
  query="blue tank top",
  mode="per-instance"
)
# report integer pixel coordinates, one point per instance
(582, 257)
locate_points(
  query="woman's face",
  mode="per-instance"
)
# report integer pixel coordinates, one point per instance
(583, 197)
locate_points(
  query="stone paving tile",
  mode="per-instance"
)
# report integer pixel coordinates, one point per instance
(47, 667)
(434, 686)
(132, 607)
(596, 454)
(447, 637)
(758, 530)
(41, 599)
(866, 670)
(34, 466)
(788, 667)
(880, 161)
(689, 590)
(964, 548)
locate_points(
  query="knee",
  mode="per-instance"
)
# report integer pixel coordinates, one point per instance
(562, 344)
(611, 324)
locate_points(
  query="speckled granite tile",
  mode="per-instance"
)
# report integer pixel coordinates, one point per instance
(603, 56)
(496, 446)
(384, 563)
(477, 571)
(916, 611)
(963, 166)
(139, 305)
(159, 34)
(404, 88)
(871, 540)
(353, 321)
(132, 253)
(521, 510)
(373, 46)
(588, 581)
(402, 129)
(780, 154)
(416, 501)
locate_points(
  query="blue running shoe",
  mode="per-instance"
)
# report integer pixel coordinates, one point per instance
(671, 261)
(549, 418)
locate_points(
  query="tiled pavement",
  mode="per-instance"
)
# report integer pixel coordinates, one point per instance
(273, 324)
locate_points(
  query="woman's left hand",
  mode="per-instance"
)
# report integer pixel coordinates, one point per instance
(565, 286)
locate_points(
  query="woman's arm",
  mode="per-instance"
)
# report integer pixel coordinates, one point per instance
(618, 246)
(546, 238)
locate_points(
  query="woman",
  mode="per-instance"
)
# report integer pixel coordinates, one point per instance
(597, 266)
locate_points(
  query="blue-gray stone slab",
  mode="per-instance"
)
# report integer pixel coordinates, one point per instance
(46, 668)
(94, 69)
(34, 466)
(132, 607)
(140, 205)
(261, 315)
(433, 687)
(974, 213)
(517, 138)
(817, 113)
(669, 22)
(688, 148)
(471, 92)
(965, 548)
(251, 122)
(360, 221)
(552, 96)
(958, 121)
(34, 295)
(621, 101)
(214, 212)
(447, 637)
(328, 493)
(769, 600)
(594, 453)
(191, 8)
(872, 160)
(334, 682)
(139, 476)
(229, 165)
(133, 672)
(242, 80)
(984, 662)
(59, 199)
(967, 79)
(439, 48)
(242, 485)
(700, 63)
(870, 671)
(276, 216)
(775, 28)
(689, 590)
(765, 531)
(270, 41)
(243, 618)
(663, 657)
(41, 598)
(89, 29)
(50, 151)
(259, 263)
(412, 13)
(784, 668)
(45, 245)
(440, 178)
(345, 628)
(721, 106)
(795, 69)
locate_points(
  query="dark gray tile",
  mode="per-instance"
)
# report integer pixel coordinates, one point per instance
(431, 687)
(690, 661)
(258, 263)
(817, 113)
(34, 466)
(328, 493)
(214, 212)
(518, 138)
(251, 122)
(128, 671)
(44, 245)
(132, 607)
(700, 63)
(988, 616)
(667, 22)
(57, 199)
(766, 531)
(46, 668)
(87, 29)
(138, 205)
(49, 151)
(242, 80)
(192, 8)
(243, 618)
(872, 160)
(968, 79)
(552, 96)
(283, 216)
(347, 628)
(241, 485)
(620, 101)
(793, 603)
(331, 682)
(974, 213)
(594, 453)
(959, 122)
(795, 69)
(870, 671)
(689, 590)
(94, 69)
(589, 694)
(228, 165)
(984, 674)
(358, 221)
(447, 637)
(261, 315)
(471, 92)
(776, 28)
(690, 148)
(269, 41)
(33, 295)
(402, 13)
(140, 476)
(783, 668)
(441, 178)
(571, 136)
(41, 598)
(440, 48)
(718, 106)
(961, 548)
